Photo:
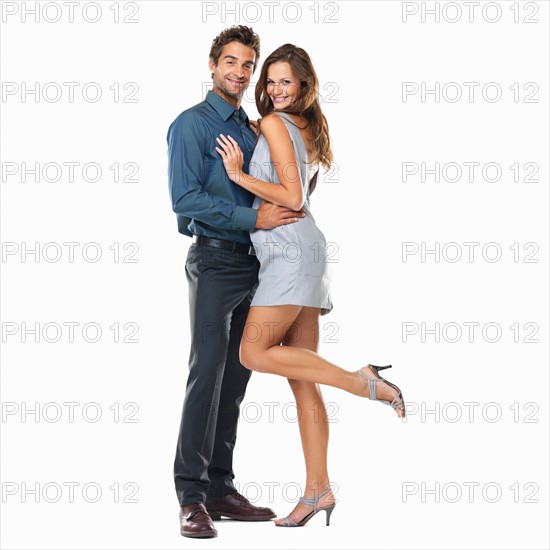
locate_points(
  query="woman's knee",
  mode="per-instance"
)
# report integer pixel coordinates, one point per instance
(251, 358)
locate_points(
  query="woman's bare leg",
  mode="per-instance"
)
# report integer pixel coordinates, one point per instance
(312, 416)
(265, 329)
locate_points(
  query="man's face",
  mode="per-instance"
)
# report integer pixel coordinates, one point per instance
(233, 72)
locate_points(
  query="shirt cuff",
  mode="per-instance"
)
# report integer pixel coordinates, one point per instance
(245, 218)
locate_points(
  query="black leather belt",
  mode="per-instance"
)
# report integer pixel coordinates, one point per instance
(224, 245)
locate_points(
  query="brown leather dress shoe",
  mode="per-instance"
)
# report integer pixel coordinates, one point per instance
(235, 506)
(195, 521)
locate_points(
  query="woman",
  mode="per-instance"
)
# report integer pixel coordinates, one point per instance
(280, 335)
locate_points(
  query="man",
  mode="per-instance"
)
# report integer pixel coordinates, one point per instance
(222, 273)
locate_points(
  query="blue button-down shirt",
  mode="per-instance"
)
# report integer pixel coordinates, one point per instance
(204, 199)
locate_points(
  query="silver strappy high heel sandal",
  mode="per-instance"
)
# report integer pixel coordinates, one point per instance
(289, 522)
(397, 401)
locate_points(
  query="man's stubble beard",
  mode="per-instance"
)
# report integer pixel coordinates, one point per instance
(225, 92)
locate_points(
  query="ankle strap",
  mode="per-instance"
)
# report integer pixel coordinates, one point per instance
(372, 384)
(314, 500)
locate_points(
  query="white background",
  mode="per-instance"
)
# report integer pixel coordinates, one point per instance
(362, 58)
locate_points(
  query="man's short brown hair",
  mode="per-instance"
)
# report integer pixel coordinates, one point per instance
(236, 33)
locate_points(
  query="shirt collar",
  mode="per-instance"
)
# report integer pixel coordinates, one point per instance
(222, 107)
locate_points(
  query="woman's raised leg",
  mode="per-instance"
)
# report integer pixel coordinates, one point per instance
(261, 351)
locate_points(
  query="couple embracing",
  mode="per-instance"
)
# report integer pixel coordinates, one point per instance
(241, 190)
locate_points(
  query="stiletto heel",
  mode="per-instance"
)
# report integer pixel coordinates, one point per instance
(289, 522)
(397, 401)
(329, 511)
(380, 368)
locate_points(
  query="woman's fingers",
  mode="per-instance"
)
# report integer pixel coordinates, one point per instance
(231, 153)
(224, 144)
(230, 143)
(226, 141)
(234, 143)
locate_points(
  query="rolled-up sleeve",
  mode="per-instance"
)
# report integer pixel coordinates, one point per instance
(187, 143)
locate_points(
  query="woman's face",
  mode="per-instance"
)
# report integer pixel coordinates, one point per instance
(282, 85)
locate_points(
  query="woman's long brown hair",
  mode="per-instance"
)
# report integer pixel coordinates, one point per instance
(307, 103)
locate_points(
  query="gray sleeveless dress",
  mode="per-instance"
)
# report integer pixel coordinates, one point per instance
(294, 263)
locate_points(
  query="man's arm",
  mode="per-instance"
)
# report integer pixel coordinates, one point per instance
(186, 144)
(270, 215)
